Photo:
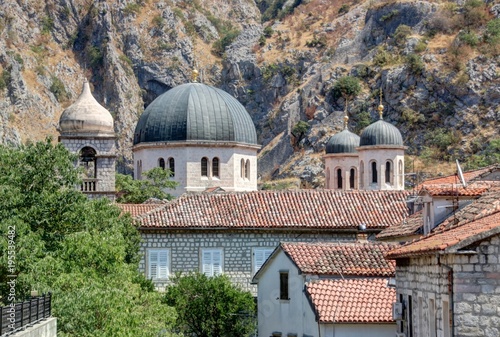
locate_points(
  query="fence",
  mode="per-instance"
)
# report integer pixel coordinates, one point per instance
(21, 315)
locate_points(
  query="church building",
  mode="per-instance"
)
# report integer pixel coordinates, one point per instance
(372, 161)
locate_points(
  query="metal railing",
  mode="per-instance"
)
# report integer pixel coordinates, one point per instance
(18, 316)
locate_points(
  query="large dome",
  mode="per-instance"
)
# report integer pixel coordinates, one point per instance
(86, 115)
(343, 142)
(381, 133)
(195, 112)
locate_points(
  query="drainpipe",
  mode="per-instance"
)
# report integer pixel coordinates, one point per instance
(450, 291)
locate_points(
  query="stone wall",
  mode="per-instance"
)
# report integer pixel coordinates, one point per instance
(238, 246)
(46, 328)
(468, 283)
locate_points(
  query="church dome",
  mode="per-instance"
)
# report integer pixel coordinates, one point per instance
(343, 142)
(195, 112)
(381, 133)
(86, 115)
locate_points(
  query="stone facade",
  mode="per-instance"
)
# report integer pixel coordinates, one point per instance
(237, 249)
(187, 156)
(468, 284)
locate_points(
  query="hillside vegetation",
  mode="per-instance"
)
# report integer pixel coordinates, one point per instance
(436, 63)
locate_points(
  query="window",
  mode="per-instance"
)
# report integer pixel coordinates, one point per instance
(284, 285)
(157, 264)
(432, 318)
(247, 169)
(352, 179)
(339, 179)
(401, 173)
(361, 174)
(388, 172)
(260, 256)
(242, 168)
(161, 163)
(328, 178)
(89, 161)
(139, 169)
(421, 327)
(204, 167)
(211, 262)
(410, 317)
(446, 319)
(215, 167)
(171, 166)
(374, 172)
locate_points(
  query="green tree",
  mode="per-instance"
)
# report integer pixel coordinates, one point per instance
(83, 251)
(347, 87)
(299, 130)
(211, 306)
(138, 191)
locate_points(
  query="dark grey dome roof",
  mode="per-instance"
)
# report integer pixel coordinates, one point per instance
(381, 133)
(343, 142)
(195, 111)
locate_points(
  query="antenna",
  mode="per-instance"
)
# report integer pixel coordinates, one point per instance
(461, 175)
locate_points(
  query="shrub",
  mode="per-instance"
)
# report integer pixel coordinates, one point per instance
(158, 21)
(420, 46)
(412, 117)
(475, 13)
(344, 9)
(401, 34)
(415, 64)
(95, 56)
(469, 38)
(132, 8)
(268, 31)
(389, 15)
(382, 57)
(47, 25)
(5, 79)
(492, 35)
(317, 42)
(228, 35)
(58, 89)
(346, 87)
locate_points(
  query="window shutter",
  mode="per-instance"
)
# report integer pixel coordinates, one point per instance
(153, 265)
(217, 263)
(158, 264)
(207, 263)
(163, 264)
(260, 256)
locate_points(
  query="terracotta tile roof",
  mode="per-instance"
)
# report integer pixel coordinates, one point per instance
(137, 210)
(343, 259)
(352, 300)
(450, 238)
(452, 179)
(325, 209)
(487, 204)
(473, 190)
(409, 226)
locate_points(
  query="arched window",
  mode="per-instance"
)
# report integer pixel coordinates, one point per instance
(204, 167)
(171, 166)
(339, 179)
(89, 162)
(374, 172)
(361, 174)
(242, 168)
(161, 163)
(401, 173)
(388, 172)
(352, 179)
(215, 167)
(247, 169)
(139, 169)
(328, 178)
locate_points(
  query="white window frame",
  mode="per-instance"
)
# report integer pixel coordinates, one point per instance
(211, 261)
(162, 271)
(262, 254)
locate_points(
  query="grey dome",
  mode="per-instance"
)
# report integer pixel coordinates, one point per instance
(381, 133)
(343, 142)
(86, 115)
(195, 111)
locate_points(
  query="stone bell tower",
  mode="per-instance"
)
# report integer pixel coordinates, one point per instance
(87, 129)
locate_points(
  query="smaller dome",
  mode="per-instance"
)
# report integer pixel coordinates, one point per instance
(381, 133)
(86, 115)
(343, 142)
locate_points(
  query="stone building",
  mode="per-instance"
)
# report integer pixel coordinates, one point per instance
(203, 135)
(326, 289)
(87, 129)
(372, 161)
(234, 233)
(448, 281)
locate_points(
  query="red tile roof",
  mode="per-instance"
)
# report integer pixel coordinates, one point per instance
(409, 226)
(449, 239)
(474, 190)
(352, 300)
(325, 209)
(343, 259)
(453, 179)
(137, 210)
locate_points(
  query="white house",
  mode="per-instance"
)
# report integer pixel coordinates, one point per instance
(326, 289)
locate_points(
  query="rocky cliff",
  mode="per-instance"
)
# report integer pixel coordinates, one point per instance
(436, 63)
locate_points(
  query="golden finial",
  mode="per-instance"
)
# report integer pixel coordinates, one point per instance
(194, 75)
(380, 107)
(346, 118)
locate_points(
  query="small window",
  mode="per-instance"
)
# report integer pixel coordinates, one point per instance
(260, 256)
(157, 264)
(211, 262)
(242, 168)
(374, 172)
(361, 174)
(328, 178)
(215, 167)
(171, 166)
(400, 173)
(139, 169)
(351, 179)
(88, 160)
(161, 163)
(388, 172)
(247, 169)
(339, 179)
(204, 167)
(284, 285)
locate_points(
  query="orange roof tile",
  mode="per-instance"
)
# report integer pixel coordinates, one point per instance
(447, 239)
(343, 259)
(352, 300)
(325, 209)
(137, 210)
(453, 179)
(474, 190)
(409, 226)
